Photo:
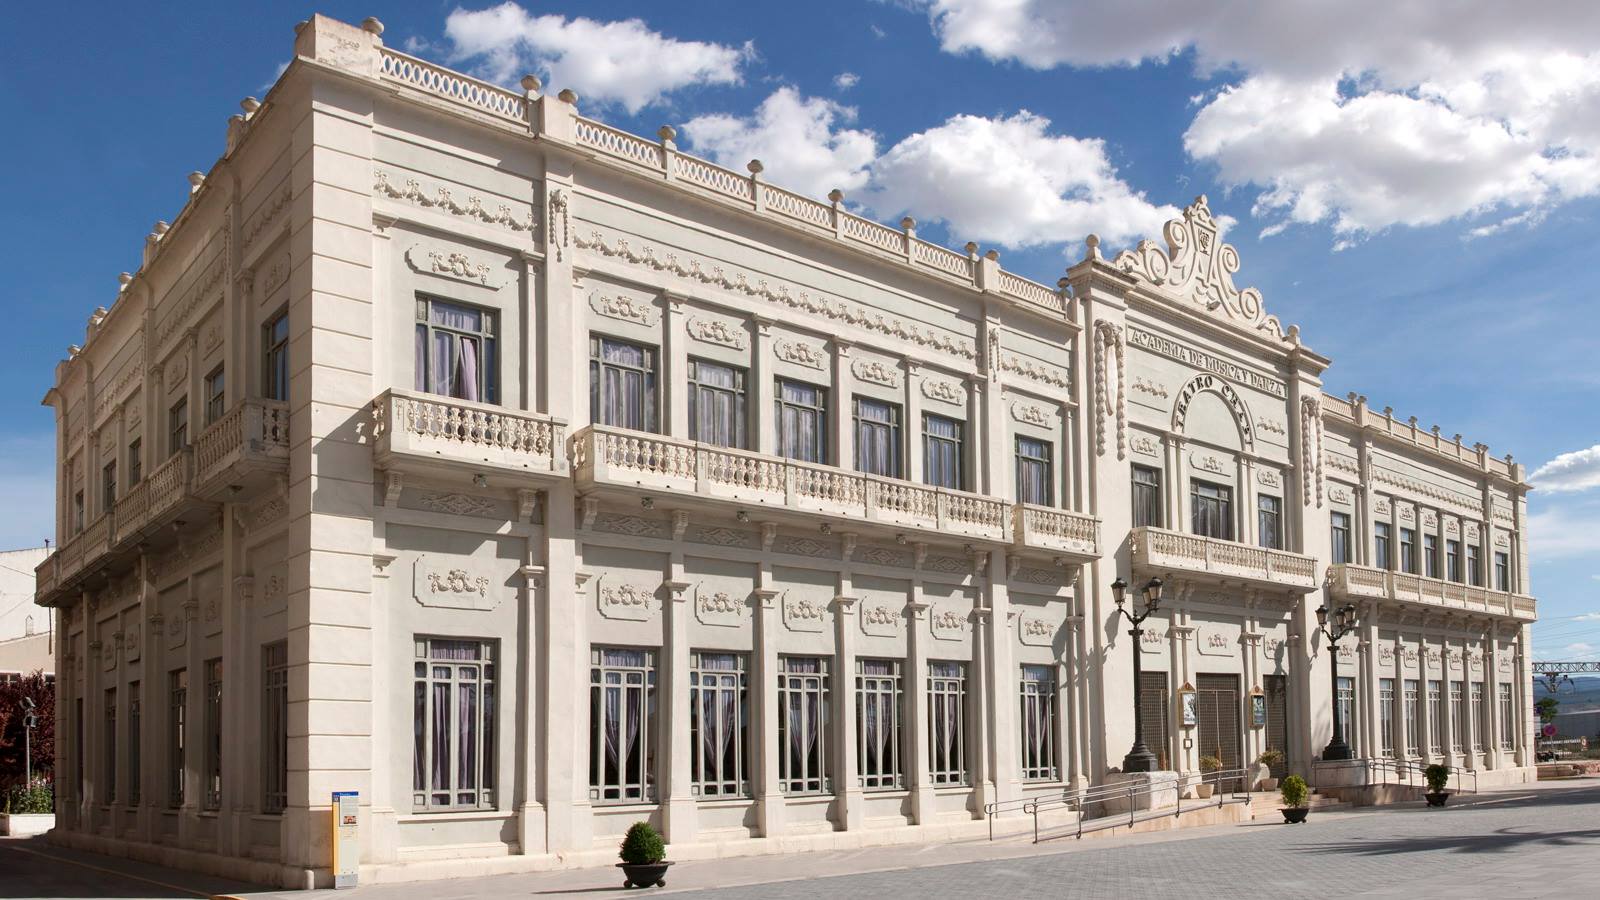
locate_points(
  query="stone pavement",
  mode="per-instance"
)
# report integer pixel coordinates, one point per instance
(1528, 841)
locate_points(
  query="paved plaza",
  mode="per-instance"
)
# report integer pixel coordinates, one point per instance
(1533, 841)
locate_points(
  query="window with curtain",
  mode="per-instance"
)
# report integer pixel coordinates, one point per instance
(622, 719)
(177, 742)
(802, 417)
(622, 384)
(1380, 544)
(1034, 482)
(1502, 571)
(947, 706)
(718, 725)
(274, 727)
(108, 486)
(877, 437)
(108, 746)
(215, 395)
(1452, 560)
(1339, 537)
(1269, 521)
(1430, 555)
(178, 426)
(135, 742)
(135, 462)
(1474, 567)
(942, 457)
(717, 404)
(1386, 715)
(1347, 711)
(1038, 724)
(1458, 717)
(878, 724)
(1408, 550)
(1409, 709)
(1508, 718)
(1480, 721)
(77, 513)
(1435, 718)
(1211, 509)
(212, 794)
(1147, 497)
(803, 725)
(275, 357)
(453, 724)
(455, 351)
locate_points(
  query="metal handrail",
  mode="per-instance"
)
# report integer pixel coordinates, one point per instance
(1132, 791)
(991, 810)
(1405, 768)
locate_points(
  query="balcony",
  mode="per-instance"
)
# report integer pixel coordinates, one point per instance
(426, 431)
(1348, 581)
(612, 457)
(1160, 552)
(1059, 531)
(248, 445)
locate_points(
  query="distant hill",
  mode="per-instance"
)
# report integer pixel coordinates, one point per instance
(1583, 693)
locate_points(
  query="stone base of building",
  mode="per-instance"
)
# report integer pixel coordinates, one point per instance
(1151, 790)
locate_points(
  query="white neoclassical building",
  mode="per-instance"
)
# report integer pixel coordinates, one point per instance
(532, 478)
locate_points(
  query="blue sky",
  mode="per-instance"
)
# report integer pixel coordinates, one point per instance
(1422, 203)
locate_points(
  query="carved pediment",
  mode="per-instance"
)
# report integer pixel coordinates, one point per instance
(1199, 268)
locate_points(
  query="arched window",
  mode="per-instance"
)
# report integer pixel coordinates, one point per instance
(27, 626)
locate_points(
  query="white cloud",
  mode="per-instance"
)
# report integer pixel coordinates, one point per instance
(800, 141)
(1578, 647)
(844, 81)
(1011, 181)
(1363, 114)
(622, 62)
(1575, 471)
(1562, 532)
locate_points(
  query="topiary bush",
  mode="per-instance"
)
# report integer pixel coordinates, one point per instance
(1294, 791)
(642, 845)
(1437, 777)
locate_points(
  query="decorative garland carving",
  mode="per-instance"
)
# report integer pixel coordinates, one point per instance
(876, 372)
(1108, 340)
(268, 212)
(798, 352)
(939, 389)
(625, 308)
(1032, 371)
(1145, 445)
(459, 504)
(1311, 449)
(1153, 388)
(558, 210)
(715, 331)
(457, 581)
(457, 265)
(442, 200)
(1031, 414)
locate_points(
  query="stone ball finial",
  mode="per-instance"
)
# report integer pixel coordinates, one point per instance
(531, 83)
(1294, 334)
(568, 95)
(908, 223)
(971, 247)
(196, 179)
(755, 167)
(124, 279)
(667, 133)
(372, 26)
(836, 195)
(1092, 242)
(992, 254)
(249, 105)
(160, 227)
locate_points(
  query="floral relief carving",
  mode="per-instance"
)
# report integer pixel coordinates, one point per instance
(1339, 495)
(1145, 445)
(876, 372)
(442, 199)
(802, 547)
(1271, 647)
(1207, 462)
(942, 390)
(799, 352)
(803, 614)
(455, 264)
(558, 211)
(1409, 657)
(1031, 414)
(452, 587)
(457, 581)
(1271, 426)
(1153, 388)
(722, 537)
(1381, 507)
(630, 525)
(882, 556)
(460, 504)
(265, 214)
(1036, 632)
(716, 331)
(1110, 401)
(1311, 449)
(275, 275)
(719, 608)
(1386, 654)
(1269, 477)
(947, 625)
(1032, 371)
(1151, 640)
(627, 602)
(627, 309)
(880, 620)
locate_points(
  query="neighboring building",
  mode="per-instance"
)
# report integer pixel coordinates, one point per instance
(27, 632)
(1579, 724)
(532, 478)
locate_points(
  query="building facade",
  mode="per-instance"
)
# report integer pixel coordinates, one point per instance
(533, 478)
(27, 633)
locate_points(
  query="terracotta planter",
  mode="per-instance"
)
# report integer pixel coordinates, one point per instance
(1267, 784)
(1437, 798)
(1204, 791)
(1294, 815)
(644, 874)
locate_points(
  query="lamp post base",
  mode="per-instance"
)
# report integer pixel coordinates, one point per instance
(1336, 751)
(1139, 759)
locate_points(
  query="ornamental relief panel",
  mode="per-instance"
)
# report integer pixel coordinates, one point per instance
(1145, 445)
(881, 619)
(801, 613)
(448, 263)
(460, 504)
(1269, 478)
(452, 586)
(947, 624)
(800, 353)
(719, 607)
(1032, 414)
(1152, 641)
(1207, 462)
(1212, 641)
(876, 372)
(625, 601)
(623, 308)
(942, 390)
(1035, 631)
(715, 331)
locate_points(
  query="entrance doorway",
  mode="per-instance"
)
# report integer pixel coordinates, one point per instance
(1217, 707)
(1276, 688)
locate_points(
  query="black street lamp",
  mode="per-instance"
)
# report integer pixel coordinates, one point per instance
(1139, 759)
(1344, 622)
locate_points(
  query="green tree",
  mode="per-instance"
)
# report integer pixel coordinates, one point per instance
(1546, 709)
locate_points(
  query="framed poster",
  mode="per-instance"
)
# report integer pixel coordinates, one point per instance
(1258, 711)
(1191, 716)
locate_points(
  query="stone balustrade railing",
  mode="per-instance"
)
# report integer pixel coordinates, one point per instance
(1353, 581)
(1179, 552)
(445, 428)
(252, 428)
(1048, 528)
(619, 457)
(453, 86)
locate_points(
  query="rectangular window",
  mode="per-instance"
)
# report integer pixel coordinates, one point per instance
(1380, 544)
(947, 715)
(1508, 718)
(1435, 718)
(135, 462)
(1413, 735)
(274, 727)
(943, 460)
(1038, 723)
(717, 404)
(213, 749)
(135, 742)
(878, 723)
(719, 716)
(1474, 569)
(1386, 715)
(1211, 509)
(1339, 531)
(454, 352)
(622, 717)
(1430, 555)
(1347, 711)
(877, 437)
(803, 725)
(622, 384)
(1458, 716)
(1408, 550)
(453, 724)
(275, 357)
(802, 417)
(178, 426)
(1269, 521)
(215, 395)
(1452, 560)
(177, 716)
(77, 513)
(1147, 498)
(77, 744)
(108, 486)
(1034, 471)
(109, 746)
(1480, 722)
(1502, 571)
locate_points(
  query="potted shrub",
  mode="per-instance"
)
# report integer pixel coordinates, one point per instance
(1267, 760)
(643, 857)
(1294, 793)
(1208, 765)
(1437, 777)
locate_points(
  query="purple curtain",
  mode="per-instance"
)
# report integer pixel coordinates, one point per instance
(467, 382)
(441, 731)
(613, 700)
(467, 734)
